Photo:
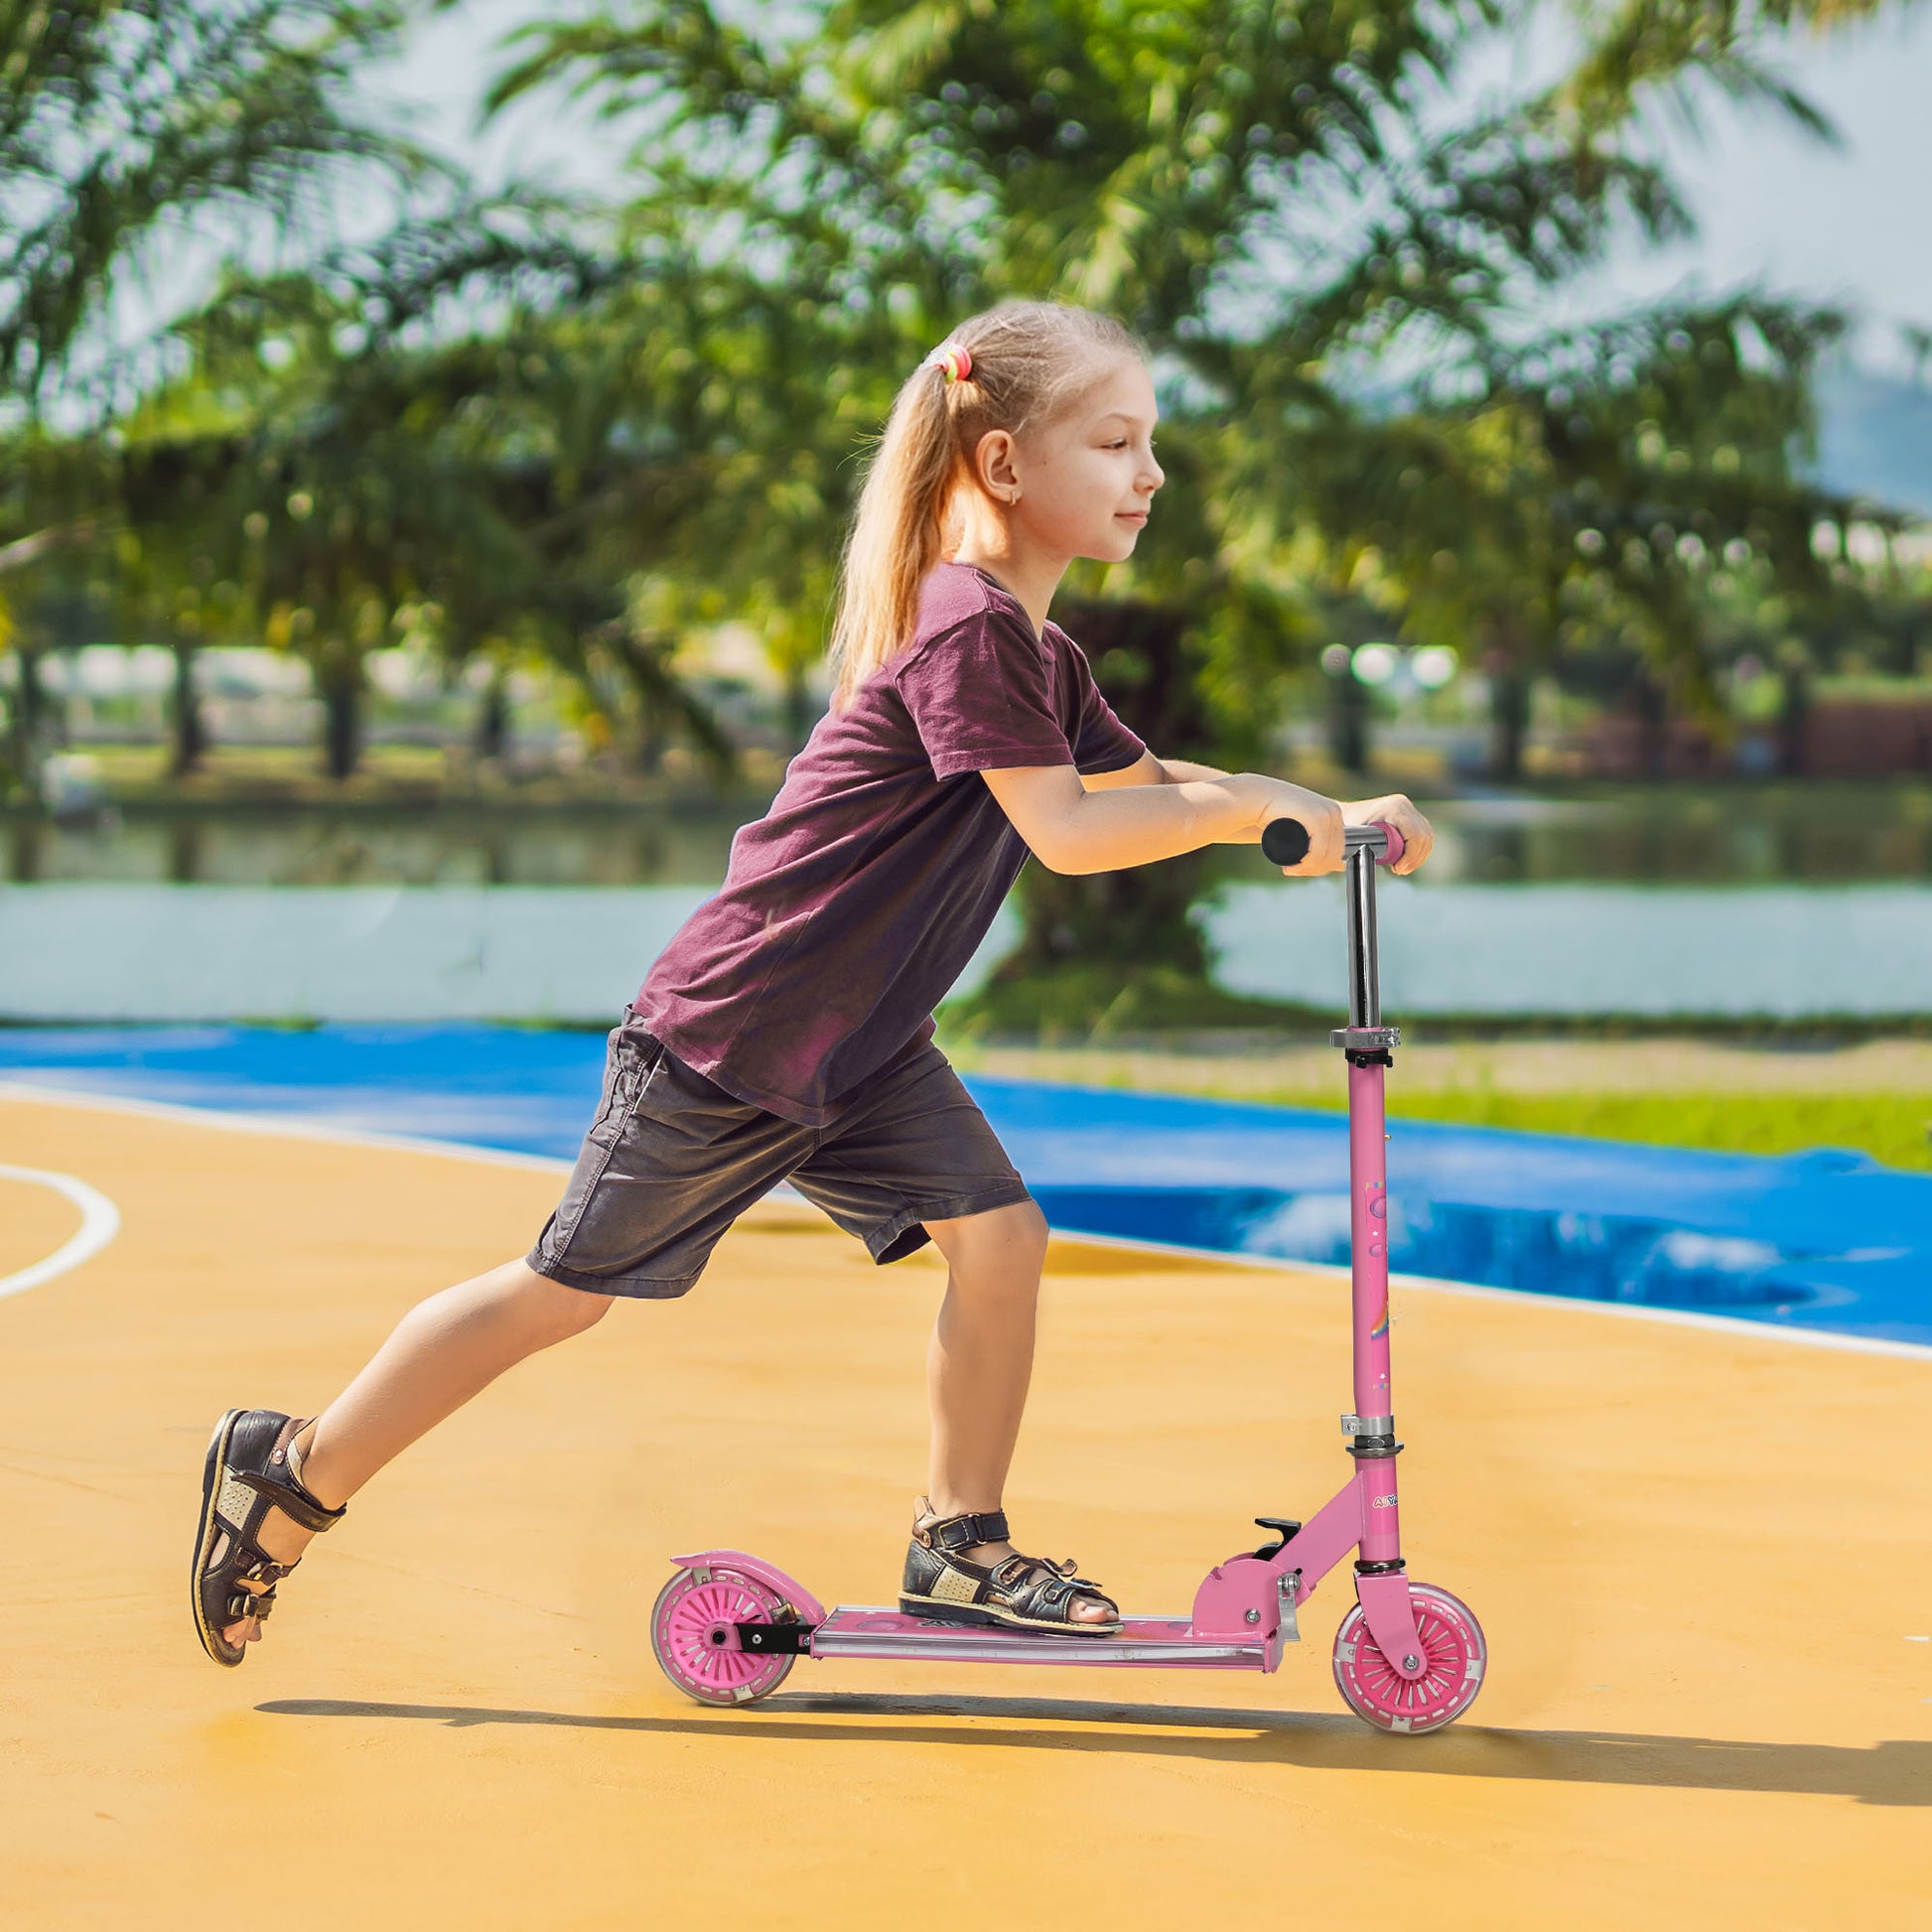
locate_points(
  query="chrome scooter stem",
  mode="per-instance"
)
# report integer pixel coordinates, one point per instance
(1367, 1044)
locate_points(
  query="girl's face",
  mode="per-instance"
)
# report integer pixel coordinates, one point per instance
(1085, 480)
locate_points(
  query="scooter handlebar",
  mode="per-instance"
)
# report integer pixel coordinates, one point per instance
(1285, 841)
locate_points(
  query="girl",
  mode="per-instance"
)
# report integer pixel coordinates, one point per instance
(786, 1033)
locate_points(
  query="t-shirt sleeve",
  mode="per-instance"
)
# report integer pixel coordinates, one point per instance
(1101, 743)
(980, 699)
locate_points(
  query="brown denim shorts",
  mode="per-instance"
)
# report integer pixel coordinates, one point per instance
(672, 1160)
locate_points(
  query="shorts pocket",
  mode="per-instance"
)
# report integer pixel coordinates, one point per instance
(627, 1069)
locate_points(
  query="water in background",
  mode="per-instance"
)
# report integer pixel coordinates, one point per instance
(681, 844)
(1738, 835)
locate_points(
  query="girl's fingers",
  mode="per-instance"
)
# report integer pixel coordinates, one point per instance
(1326, 849)
(1418, 837)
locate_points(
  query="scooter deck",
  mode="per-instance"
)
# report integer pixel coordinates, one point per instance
(1164, 1642)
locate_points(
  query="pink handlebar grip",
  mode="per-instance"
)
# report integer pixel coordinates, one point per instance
(1396, 847)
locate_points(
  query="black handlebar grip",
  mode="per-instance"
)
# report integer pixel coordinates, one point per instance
(1284, 841)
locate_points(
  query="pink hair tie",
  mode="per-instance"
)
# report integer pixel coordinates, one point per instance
(954, 358)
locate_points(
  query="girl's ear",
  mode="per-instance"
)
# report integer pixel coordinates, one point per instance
(993, 464)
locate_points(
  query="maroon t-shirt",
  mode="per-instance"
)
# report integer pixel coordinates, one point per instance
(850, 906)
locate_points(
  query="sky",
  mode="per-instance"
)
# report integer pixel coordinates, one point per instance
(1852, 225)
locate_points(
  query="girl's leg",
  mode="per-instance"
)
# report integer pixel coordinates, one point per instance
(443, 1351)
(981, 1361)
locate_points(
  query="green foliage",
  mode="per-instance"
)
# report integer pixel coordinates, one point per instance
(1341, 271)
(123, 125)
(126, 128)
(1891, 1127)
(582, 431)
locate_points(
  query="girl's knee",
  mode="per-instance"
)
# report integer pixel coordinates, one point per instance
(1005, 1247)
(554, 1308)
(571, 1311)
(1029, 1233)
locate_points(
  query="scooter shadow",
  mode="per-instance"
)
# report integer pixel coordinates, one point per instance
(1895, 1771)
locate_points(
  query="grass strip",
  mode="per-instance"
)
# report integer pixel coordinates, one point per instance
(1893, 1128)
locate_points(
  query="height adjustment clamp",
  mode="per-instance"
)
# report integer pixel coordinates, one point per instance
(1366, 1040)
(1370, 1438)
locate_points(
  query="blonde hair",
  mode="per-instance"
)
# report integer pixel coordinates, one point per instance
(1031, 362)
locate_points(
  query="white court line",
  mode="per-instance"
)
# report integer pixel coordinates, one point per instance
(100, 1221)
(297, 1127)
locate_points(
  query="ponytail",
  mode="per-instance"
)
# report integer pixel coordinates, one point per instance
(1022, 364)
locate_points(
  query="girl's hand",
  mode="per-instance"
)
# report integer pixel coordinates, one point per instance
(1418, 835)
(1321, 817)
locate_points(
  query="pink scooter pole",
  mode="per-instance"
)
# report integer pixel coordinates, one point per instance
(1381, 1585)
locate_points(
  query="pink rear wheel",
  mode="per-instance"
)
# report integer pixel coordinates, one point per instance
(1455, 1657)
(691, 1633)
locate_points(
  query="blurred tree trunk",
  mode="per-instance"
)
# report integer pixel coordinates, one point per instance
(493, 720)
(652, 742)
(665, 702)
(185, 721)
(29, 721)
(24, 852)
(1349, 707)
(1140, 917)
(339, 683)
(1509, 712)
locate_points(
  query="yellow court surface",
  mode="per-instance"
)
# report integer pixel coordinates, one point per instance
(1700, 1554)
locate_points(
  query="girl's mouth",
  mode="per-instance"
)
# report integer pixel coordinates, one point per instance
(1132, 516)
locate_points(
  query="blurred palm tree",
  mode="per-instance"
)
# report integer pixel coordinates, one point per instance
(130, 129)
(1343, 254)
(343, 465)
(1607, 487)
(135, 134)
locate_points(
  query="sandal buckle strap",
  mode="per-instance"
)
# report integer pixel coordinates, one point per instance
(291, 1498)
(956, 1532)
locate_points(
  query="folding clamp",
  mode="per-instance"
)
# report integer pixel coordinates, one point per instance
(1366, 1040)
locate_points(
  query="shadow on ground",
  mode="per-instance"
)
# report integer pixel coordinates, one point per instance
(1892, 1772)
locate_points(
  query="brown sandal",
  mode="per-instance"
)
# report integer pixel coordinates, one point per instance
(1015, 1594)
(246, 1474)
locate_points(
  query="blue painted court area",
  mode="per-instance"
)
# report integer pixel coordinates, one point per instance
(1826, 1240)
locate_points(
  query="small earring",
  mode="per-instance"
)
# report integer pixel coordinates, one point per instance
(1013, 497)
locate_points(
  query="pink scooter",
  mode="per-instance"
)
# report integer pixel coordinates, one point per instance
(1409, 1657)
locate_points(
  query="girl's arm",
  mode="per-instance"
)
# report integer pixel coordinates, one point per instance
(1056, 816)
(1072, 829)
(1147, 769)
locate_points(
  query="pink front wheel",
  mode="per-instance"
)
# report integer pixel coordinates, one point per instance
(691, 1632)
(1454, 1653)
